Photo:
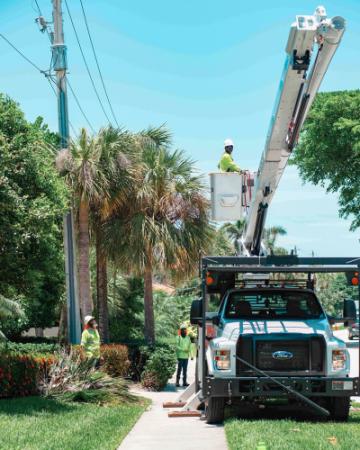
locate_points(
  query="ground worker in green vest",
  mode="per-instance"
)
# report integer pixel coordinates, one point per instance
(183, 352)
(227, 163)
(90, 340)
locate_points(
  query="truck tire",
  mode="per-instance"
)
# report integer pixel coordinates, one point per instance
(339, 408)
(215, 410)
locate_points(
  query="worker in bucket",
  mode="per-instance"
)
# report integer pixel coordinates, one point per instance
(183, 352)
(90, 340)
(227, 163)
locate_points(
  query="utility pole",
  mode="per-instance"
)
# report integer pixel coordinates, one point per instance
(60, 67)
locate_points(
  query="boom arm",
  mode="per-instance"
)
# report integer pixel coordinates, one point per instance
(303, 72)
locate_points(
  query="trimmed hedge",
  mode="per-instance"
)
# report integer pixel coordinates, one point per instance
(115, 360)
(16, 348)
(20, 374)
(22, 366)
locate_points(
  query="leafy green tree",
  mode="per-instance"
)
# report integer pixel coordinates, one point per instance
(332, 289)
(32, 203)
(170, 311)
(328, 153)
(164, 224)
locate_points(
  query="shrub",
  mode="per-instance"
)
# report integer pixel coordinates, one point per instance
(73, 379)
(15, 348)
(138, 355)
(115, 360)
(159, 368)
(22, 366)
(20, 374)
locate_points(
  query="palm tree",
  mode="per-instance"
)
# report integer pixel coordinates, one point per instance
(116, 155)
(270, 237)
(164, 223)
(235, 230)
(9, 308)
(79, 166)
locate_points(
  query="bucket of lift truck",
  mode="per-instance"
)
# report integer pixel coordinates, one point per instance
(230, 195)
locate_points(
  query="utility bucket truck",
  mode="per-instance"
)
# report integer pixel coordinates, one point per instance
(270, 337)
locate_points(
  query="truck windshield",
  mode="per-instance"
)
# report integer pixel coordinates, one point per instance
(272, 305)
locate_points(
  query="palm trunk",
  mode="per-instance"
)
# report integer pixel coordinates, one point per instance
(101, 288)
(86, 302)
(149, 306)
(63, 326)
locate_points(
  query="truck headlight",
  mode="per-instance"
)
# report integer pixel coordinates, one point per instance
(222, 359)
(338, 359)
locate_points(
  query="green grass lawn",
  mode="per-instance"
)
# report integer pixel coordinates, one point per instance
(293, 435)
(35, 423)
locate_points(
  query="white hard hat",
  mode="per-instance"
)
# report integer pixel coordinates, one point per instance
(88, 319)
(183, 326)
(228, 143)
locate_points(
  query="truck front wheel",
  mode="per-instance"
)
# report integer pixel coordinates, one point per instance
(215, 410)
(339, 408)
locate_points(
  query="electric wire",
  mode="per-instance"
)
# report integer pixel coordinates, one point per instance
(44, 72)
(79, 105)
(86, 64)
(97, 62)
(22, 55)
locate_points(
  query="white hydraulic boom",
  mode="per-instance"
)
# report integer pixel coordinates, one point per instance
(312, 42)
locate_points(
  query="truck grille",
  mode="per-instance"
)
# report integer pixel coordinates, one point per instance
(281, 355)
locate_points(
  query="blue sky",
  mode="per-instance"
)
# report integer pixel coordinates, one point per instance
(210, 70)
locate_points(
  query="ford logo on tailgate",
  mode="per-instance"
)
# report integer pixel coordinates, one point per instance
(282, 354)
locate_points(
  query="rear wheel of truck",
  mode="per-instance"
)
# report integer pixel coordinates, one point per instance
(215, 409)
(339, 408)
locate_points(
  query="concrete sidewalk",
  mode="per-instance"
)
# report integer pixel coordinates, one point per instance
(155, 430)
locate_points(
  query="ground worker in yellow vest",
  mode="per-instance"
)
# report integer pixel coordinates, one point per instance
(90, 340)
(227, 163)
(183, 352)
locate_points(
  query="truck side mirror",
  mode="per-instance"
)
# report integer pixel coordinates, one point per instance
(349, 309)
(196, 312)
(331, 319)
(216, 320)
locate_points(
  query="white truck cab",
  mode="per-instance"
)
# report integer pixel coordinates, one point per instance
(285, 327)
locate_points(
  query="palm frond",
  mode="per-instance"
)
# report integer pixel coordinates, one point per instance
(9, 308)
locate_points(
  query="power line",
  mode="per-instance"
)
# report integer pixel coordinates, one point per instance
(44, 72)
(85, 62)
(23, 56)
(97, 62)
(79, 106)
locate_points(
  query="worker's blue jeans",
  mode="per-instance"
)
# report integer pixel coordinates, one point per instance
(182, 367)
